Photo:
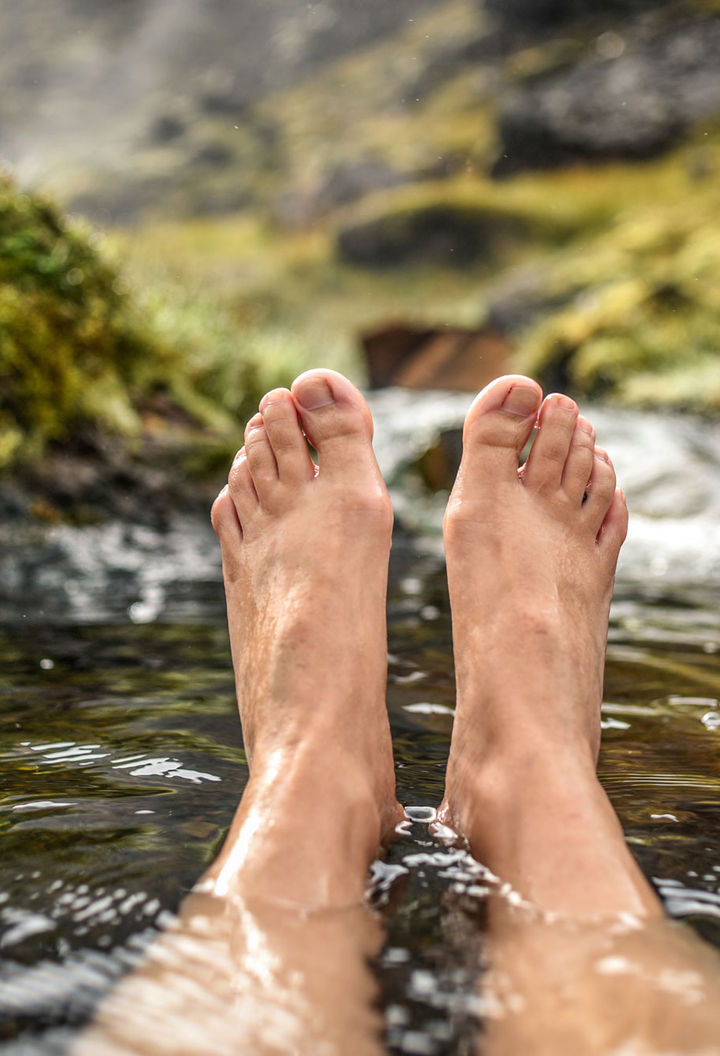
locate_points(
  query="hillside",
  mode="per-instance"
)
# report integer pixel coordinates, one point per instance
(279, 177)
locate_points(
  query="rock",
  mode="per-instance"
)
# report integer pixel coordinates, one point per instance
(521, 298)
(438, 465)
(348, 182)
(629, 101)
(166, 128)
(214, 154)
(536, 13)
(436, 233)
(342, 185)
(430, 358)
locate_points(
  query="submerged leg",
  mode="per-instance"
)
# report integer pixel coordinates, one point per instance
(531, 558)
(269, 953)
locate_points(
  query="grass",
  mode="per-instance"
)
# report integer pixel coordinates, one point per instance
(630, 253)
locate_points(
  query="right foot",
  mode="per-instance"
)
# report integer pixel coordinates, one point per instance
(531, 559)
(305, 554)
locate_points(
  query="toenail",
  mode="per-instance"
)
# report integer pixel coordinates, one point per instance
(602, 454)
(565, 402)
(276, 396)
(521, 400)
(585, 426)
(314, 393)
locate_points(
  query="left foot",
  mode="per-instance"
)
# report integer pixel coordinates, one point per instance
(305, 554)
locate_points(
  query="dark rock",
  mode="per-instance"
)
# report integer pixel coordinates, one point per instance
(553, 12)
(342, 185)
(434, 358)
(166, 128)
(346, 183)
(440, 234)
(520, 299)
(214, 154)
(438, 465)
(633, 105)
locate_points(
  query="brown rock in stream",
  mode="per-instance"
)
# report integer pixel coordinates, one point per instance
(447, 357)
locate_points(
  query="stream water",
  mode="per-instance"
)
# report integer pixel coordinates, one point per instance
(122, 760)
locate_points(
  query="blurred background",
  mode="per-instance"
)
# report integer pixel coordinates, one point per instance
(202, 198)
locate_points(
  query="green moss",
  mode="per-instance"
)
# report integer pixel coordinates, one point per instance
(79, 357)
(70, 349)
(639, 315)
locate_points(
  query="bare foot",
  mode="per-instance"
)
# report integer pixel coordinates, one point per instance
(531, 559)
(305, 553)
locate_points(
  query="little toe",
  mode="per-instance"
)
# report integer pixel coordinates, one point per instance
(613, 529)
(241, 488)
(545, 466)
(224, 519)
(261, 460)
(497, 427)
(289, 446)
(579, 463)
(600, 490)
(336, 420)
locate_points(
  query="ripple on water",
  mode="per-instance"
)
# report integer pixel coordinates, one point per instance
(122, 760)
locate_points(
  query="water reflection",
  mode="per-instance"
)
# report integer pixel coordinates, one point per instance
(121, 776)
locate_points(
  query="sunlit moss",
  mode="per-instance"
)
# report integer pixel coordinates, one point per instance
(78, 357)
(71, 348)
(640, 320)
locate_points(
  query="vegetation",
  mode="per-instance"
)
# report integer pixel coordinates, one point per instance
(627, 300)
(639, 312)
(82, 359)
(178, 326)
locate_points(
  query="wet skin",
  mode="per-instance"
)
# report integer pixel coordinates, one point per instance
(269, 952)
(531, 558)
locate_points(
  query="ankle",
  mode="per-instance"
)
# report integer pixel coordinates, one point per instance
(313, 788)
(511, 779)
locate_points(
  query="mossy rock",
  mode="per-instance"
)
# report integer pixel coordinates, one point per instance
(79, 361)
(71, 350)
(442, 225)
(641, 319)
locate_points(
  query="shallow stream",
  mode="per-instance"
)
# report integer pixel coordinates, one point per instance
(122, 760)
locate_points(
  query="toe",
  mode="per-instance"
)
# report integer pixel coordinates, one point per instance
(224, 518)
(579, 463)
(241, 488)
(284, 432)
(614, 528)
(497, 427)
(261, 460)
(556, 427)
(336, 420)
(600, 490)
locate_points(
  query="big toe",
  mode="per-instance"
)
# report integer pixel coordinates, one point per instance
(336, 420)
(497, 427)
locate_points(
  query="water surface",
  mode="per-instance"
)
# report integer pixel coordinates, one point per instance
(122, 759)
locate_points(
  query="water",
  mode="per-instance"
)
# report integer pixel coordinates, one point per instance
(122, 760)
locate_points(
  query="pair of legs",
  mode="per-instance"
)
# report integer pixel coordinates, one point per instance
(272, 944)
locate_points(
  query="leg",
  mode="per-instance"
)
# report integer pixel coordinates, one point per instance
(269, 952)
(531, 556)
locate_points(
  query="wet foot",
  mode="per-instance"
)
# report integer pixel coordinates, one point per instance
(531, 559)
(305, 553)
